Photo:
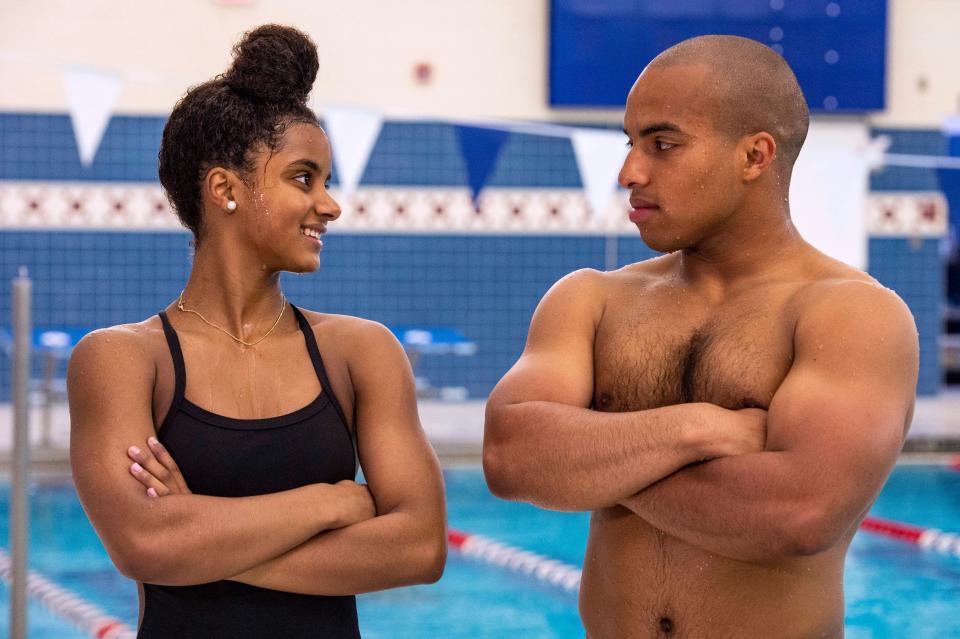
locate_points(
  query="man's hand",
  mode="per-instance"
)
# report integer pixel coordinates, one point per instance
(745, 431)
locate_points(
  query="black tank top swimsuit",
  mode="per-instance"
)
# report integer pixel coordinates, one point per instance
(228, 457)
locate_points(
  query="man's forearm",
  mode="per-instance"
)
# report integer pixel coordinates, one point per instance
(388, 551)
(570, 458)
(746, 507)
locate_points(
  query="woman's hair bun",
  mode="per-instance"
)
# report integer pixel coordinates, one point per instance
(274, 64)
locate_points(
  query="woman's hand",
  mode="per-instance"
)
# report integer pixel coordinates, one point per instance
(354, 503)
(156, 470)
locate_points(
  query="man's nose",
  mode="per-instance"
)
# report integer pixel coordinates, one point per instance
(634, 171)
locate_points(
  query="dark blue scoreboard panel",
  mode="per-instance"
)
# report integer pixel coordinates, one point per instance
(837, 49)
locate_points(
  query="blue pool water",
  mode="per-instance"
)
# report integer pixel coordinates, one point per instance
(894, 590)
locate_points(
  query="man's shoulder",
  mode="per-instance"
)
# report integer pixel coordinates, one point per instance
(832, 281)
(842, 295)
(638, 273)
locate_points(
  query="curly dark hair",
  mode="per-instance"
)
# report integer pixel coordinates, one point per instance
(224, 121)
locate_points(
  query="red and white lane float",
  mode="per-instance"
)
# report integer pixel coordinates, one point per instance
(516, 560)
(96, 623)
(69, 606)
(939, 541)
(567, 577)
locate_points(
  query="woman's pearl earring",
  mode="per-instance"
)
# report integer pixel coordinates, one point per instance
(231, 205)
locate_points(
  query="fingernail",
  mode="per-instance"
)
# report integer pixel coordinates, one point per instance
(133, 450)
(136, 467)
(151, 492)
(152, 441)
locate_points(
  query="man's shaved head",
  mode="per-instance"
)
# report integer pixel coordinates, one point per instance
(753, 89)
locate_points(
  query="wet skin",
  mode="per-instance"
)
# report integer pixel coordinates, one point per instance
(741, 313)
(662, 342)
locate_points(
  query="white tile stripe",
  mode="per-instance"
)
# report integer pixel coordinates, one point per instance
(143, 207)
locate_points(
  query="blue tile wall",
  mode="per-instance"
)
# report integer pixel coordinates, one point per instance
(914, 270)
(911, 142)
(631, 249)
(415, 153)
(486, 286)
(43, 147)
(534, 161)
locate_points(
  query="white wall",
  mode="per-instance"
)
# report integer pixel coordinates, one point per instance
(489, 56)
(923, 83)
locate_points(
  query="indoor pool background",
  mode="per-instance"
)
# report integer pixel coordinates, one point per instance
(894, 590)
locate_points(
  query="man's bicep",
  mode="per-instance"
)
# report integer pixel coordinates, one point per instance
(557, 362)
(843, 407)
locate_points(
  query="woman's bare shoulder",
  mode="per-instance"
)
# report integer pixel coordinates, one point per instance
(123, 345)
(344, 325)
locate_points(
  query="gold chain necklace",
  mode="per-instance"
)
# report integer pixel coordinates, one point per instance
(283, 307)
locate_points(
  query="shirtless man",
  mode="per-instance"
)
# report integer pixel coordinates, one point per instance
(730, 410)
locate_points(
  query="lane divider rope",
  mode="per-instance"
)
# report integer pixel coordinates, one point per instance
(567, 577)
(96, 623)
(946, 543)
(516, 560)
(69, 606)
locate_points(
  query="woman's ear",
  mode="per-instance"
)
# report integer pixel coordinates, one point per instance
(219, 189)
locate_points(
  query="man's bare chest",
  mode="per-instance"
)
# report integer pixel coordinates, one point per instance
(661, 351)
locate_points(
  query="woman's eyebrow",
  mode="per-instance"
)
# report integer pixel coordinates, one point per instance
(310, 164)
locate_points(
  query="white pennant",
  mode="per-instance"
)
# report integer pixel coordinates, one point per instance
(829, 186)
(600, 155)
(352, 134)
(91, 96)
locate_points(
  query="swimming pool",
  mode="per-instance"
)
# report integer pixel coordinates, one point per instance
(894, 590)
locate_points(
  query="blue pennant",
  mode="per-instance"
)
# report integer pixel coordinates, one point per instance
(480, 148)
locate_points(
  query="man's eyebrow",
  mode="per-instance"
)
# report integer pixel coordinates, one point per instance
(656, 128)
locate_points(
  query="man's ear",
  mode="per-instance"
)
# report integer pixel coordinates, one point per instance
(759, 151)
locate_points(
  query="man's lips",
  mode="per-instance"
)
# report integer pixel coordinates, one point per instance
(642, 210)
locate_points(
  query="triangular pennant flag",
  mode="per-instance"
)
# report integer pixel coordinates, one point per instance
(600, 155)
(91, 96)
(480, 147)
(352, 132)
(828, 190)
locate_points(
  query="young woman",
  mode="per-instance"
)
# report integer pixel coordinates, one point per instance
(242, 416)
